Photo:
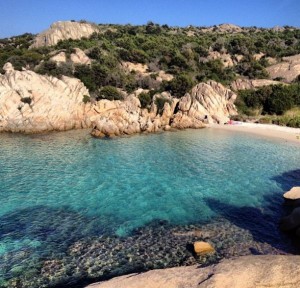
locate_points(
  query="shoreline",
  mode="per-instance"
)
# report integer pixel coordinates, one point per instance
(284, 133)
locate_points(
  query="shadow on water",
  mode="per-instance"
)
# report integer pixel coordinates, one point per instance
(261, 222)
(44, 224)
(289, 179)
(32, 234)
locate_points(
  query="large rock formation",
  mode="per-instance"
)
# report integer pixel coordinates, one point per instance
(287, 70)
(30, 102)
(208, 102)
(63, 30)
(291, 223)
(245, 84)
(275, 271)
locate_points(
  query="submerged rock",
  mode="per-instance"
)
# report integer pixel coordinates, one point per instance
(203, 248)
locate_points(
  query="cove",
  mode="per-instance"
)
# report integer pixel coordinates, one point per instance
(68, 200)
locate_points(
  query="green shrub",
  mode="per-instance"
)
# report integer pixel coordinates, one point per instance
(109, 93)
(180, 85)
(266, 120)
(279, 101)
(86, 99)
(294, 122)
(145, 99)
(160, 103)
(26, 100)
(49, 68)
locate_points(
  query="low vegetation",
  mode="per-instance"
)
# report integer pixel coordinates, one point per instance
(184, 53)
(277, 104)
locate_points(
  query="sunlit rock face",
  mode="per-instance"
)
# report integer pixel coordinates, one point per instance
(32, 103)
(63, 30)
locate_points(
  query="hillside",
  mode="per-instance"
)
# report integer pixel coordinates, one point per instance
(114, 61)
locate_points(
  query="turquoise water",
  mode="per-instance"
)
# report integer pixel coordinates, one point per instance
(57, 189)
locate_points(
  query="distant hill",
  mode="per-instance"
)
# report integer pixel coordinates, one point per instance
(158, 58)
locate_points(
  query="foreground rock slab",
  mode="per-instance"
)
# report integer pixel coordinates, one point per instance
(277, 271)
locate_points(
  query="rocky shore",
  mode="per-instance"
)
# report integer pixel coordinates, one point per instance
(242, 272)
(291, 223)
(278, 271)
(33, 103)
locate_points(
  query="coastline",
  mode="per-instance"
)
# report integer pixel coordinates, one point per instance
(286, 134)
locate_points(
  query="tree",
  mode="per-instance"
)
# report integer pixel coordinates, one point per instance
(180, 85)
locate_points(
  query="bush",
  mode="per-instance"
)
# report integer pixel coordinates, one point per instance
(160, 103)
(49, 68)
(145, 99)
(109, 93)
(86, 99)
(279, 101)
(180, 85)
(294, 122)
(26, 100)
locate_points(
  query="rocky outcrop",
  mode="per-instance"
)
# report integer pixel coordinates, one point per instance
(217, 101)
(275, 271)
(208, 102)
(229, 28)
(293, 194)
(245, 84)
(31, 103)
(63, 30)
(224, 57)
(291, 223)
(287, 70)
(223, 28)
(143, 69)
(77, 57)
(59, 58)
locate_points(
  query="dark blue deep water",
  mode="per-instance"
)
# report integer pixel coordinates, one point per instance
(66, 199)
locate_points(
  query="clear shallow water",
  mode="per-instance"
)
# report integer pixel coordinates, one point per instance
(61, 188)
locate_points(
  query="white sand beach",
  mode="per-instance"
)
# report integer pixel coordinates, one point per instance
(268, 130)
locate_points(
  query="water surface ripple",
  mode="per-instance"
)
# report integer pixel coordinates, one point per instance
(64, 192)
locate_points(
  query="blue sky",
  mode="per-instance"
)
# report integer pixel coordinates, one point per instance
(20, 16)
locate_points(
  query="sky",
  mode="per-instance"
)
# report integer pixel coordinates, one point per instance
(33, 16)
